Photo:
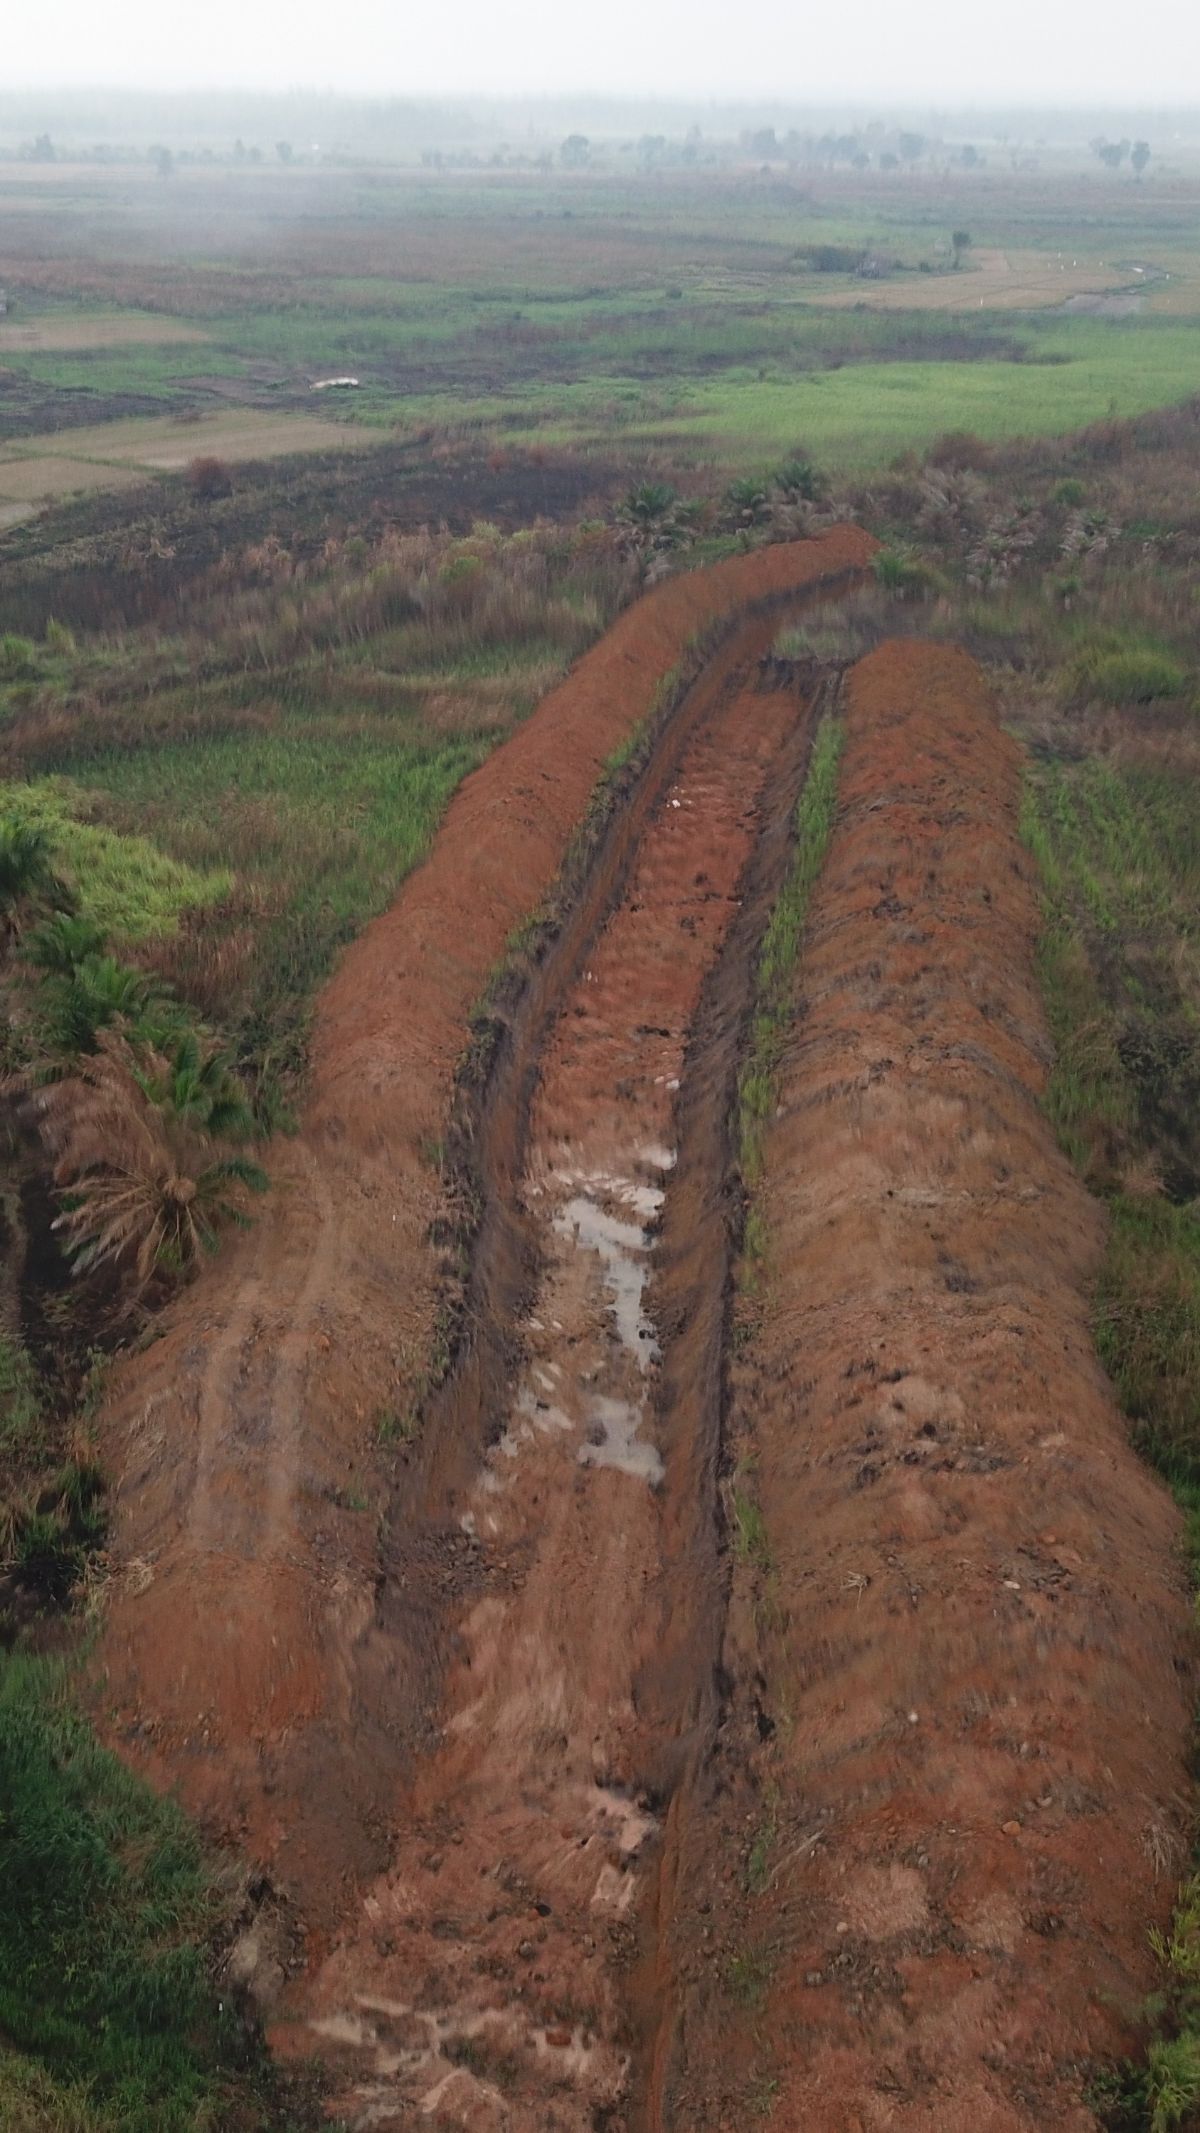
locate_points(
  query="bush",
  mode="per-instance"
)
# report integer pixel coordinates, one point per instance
(960, 451)
(1130, 675)
(799, 479)
(902, 574)
(209, 478)
(18, 661)
(794, 643)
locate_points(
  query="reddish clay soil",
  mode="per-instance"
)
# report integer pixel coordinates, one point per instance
(662, 1742)
(483, 1982)
(283, 1609)
(914, 1888)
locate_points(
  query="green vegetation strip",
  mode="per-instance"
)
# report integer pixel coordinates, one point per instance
(1118, 852)
(780, 951)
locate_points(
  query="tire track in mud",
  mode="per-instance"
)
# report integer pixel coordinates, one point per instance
(492, 1979)
(257, 1524)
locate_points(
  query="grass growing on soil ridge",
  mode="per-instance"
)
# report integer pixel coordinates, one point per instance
(781, 946)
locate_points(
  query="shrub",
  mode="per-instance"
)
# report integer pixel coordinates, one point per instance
(18, 661)
(799, 479)
(209, 478)
(961, 451)
(1130, 675)
(902, 574)
(794, 643)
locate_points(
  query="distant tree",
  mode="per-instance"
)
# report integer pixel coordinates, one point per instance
(1111, 153)
(763, 142)
(889, 161)
(911, 146)
(652, 520)
(799, 481)
(1140, 156)
(239, 151)
(961, 241)
(576, 152)
(163, 161)
(748, 504)
(284, 151)
(969, 157)
(42, 150)
(209, 478)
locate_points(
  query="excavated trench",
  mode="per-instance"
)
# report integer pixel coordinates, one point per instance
(501, 1973)
(578, 1822)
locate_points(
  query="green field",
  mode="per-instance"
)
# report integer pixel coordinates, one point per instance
(681, 319)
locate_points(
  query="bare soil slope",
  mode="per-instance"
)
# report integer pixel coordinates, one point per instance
(949, 1790)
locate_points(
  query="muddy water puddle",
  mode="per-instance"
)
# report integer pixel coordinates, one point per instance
(501, 1935)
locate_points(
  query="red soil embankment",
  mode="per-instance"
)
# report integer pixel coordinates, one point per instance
(245, 1544)
(485, 1979)
(953, 1774)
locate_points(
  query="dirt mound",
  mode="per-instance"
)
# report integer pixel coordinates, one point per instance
(949, 1790)
(248, 1571)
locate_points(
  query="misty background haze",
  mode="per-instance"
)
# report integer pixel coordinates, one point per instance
(1065, 52)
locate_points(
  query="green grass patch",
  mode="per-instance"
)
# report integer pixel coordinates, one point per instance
(749, 1976)
(781, 947)
(751, 1541)
(1130, 675)
(127, 885)
(106, 1903)
(20, 1399)
(758, 1865)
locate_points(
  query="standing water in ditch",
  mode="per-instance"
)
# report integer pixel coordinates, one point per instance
(487, 1980)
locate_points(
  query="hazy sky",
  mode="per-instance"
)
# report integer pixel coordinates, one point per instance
(929, 51)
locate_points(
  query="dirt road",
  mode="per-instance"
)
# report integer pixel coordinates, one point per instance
(572, 1810)
(242, 1647)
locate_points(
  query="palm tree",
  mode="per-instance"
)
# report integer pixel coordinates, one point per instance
(799, 481)
(64, 942)
(146, 1187)
(653, 520)
(749, 503)
(199, 1089)
(97, 992)
(29, 884)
